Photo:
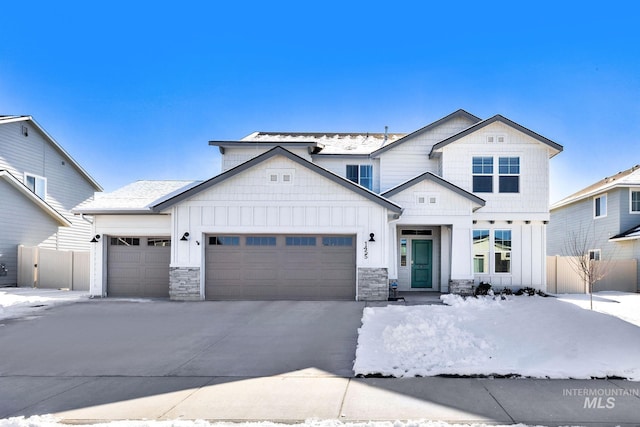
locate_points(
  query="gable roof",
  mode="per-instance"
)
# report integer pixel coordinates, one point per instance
(54, 143)
(556, 148)
(629, 177)
(454, 115)
(135, 198)
(438, 180)
(32, 197)
(278, 151)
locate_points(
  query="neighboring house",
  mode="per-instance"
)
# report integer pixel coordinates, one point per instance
(341, 216)
(605, 216)
(39, 185)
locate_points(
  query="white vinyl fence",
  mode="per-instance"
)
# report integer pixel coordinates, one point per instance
(48, 268)
(563, 278)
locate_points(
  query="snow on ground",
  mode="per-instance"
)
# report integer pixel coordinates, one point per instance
(625, 306)
(20, 302)
(526, 336)
(48, 421)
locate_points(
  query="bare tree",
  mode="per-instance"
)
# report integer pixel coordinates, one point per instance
(585, 260)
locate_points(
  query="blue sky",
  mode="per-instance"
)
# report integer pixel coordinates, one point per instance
(135, 90)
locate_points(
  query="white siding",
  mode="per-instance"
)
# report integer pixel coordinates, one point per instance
(233, 157)
(248, 203)
(411, 157)
(338, 165)
(533, 199)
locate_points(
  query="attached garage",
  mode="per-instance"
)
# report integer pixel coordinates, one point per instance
(138, 266)
(269, 267)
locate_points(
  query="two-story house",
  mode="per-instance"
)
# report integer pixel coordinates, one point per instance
(603, 218)
(39, 185)
(298, 215)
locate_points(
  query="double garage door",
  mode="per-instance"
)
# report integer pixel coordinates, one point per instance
(261, 267)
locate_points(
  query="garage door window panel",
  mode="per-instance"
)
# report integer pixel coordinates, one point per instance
(337, 241)
(224, 240)
(300, 241)
(260, 241)
(125, 241)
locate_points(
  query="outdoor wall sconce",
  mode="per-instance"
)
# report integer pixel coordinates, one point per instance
(509, 222)
(527, 222)
(185, 236)
(95, 239)
(545, 222)
(371, 239)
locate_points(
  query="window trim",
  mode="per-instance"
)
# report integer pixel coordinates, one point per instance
(631, 191)
(359, 167)
(482, 173)
(491, 252)
(35, 184)
(597, 254)
(509, 173)
(606, 210)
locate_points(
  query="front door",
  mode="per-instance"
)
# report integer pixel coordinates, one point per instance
(421, 260)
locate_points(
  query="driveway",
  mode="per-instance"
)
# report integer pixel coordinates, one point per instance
(202, 339)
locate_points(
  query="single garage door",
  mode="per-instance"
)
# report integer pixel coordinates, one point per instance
(138, 266)
(280, 267)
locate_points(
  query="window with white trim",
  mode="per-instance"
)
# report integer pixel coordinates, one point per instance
(595, 254)
(37, 184)
(502, 251)
(482, 169)
(481, 251)
(492, 251)
(634, 201)
(600, 206)
(509, 174)
(361, 174)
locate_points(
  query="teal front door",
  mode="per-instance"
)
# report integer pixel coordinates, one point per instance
(421, 263)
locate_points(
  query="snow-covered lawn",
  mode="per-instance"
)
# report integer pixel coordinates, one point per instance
(626, 306)
(19, 302)
(526, 336)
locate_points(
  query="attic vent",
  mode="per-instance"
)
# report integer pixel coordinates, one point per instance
(273, 178)
(490, 139)
(500, 138)
(432, 200)
(286, 178)
(25, 131)
(421, 200)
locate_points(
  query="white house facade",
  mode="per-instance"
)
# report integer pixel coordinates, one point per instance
(336, 216)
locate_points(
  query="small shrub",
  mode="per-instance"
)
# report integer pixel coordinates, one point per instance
(483, 289)
(530, 292)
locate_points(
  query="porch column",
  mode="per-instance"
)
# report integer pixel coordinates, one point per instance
(461, 253)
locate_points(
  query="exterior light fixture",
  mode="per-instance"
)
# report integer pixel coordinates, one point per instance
(371, 239)
(185, 236)
(95, 239)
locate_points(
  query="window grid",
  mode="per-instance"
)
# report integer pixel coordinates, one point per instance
(224, 240)
(300, 241)
(125, 241)
(337, 241)
(261, 241)
(600, 206)
(509, 170)
(635, 201)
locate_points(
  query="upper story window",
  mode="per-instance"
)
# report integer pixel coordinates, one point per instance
(600, 206)
(634, 201)
(482, 169)
(595, 254)
(37, 184)
(509, 174)
(361, 174)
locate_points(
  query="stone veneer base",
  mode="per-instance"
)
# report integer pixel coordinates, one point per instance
(184, 284)
(373, 284)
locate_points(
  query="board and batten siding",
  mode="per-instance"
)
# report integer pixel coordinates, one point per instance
(410, 157)
(338, 165)
(533, 198)
(236, 156)
(249, 204)
(22, 223)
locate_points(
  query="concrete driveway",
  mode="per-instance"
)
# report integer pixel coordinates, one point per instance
(204, 339)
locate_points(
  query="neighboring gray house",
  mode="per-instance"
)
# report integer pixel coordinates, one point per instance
(39, 185)
(605, 215)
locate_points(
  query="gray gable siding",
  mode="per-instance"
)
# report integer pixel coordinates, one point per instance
(23, 223)
(66, 186)
(627, 219)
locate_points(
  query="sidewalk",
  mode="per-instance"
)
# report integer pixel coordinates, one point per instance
(298, 396)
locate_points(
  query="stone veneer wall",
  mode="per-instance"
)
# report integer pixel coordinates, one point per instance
(373, 284)
(184, 283)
